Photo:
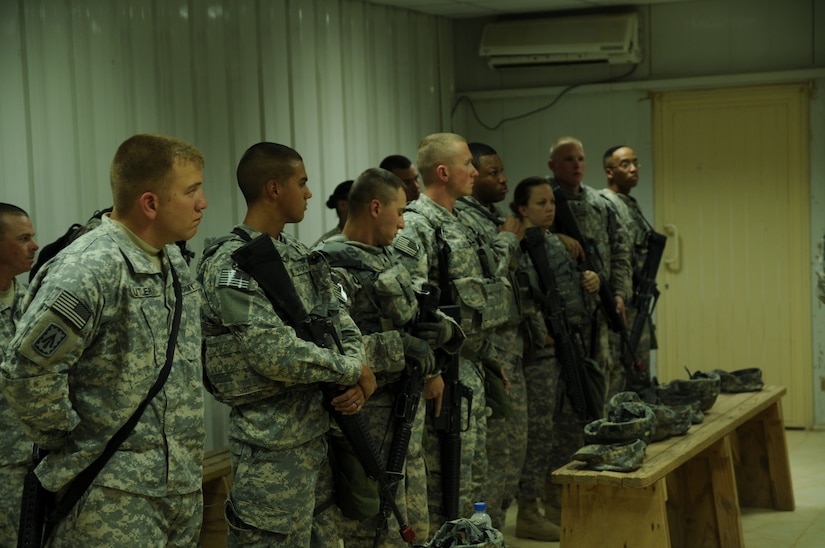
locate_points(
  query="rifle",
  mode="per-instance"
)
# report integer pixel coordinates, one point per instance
(259, 258)
(448, 424)
(36, 504)
(404, 409)
(645, 297)
(586, 403)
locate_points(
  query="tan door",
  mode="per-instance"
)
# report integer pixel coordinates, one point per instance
(732, 194)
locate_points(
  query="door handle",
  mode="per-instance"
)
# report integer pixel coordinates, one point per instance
(673, 261)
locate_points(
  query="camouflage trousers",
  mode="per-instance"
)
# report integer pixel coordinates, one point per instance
(411, 493)
(11, 488)
(542, 379)
(608, 356)
(281, 498)
(507, 445)
(473, 457)
(110, 517)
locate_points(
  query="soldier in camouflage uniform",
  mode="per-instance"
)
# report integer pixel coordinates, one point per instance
(383, 304)
(598, 223)
(554, 429)
(255, 361)
(622, 168)
(506, 431)
(89, 346)
(448, 173)
(17, 249)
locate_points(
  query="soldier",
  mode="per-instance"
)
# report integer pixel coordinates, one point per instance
(17, 249)
(605, 249)
(404, 169)
(98, 319)
(257, 363)
(622, 169)
(383, 305)
(598, 223)
(507, 426)
(339, 201)
(436, 247)
(554, 430)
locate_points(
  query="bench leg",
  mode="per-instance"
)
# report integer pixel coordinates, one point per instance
(606, 516)
(763, 471)
(703, 505)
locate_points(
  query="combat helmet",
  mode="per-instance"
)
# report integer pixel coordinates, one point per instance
(701, 388)
(741, 380)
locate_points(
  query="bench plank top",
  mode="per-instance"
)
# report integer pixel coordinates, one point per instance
(662, 457)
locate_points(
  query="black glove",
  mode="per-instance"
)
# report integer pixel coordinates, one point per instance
(435, 333)
(418, 351)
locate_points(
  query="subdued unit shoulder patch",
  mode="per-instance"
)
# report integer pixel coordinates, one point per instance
(50, 340)
(72, 309)
(406, 246)
(234, 278)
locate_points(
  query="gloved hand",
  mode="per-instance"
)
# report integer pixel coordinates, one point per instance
(435, 333)
(419, 351)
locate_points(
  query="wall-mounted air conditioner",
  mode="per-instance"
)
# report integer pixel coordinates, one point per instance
(601, 38)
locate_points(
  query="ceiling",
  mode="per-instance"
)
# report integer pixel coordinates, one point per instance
(481, 8)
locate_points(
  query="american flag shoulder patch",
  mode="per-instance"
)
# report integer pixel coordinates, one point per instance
(71, 309)
(234, 278)
(406, 246)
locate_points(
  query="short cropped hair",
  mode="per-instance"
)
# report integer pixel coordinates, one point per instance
(480, 149)
(9, 210)
(144, 163)
(608, 154)
(561, 141)
(374, 183)
(436, 149)
(395, 161)
(264, 162)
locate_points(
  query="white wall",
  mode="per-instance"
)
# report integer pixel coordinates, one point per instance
(344, 82)
(686, 45)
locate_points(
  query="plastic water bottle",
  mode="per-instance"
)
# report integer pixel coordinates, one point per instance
(480, 516)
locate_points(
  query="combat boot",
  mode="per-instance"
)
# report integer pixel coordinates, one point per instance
(530, 523)
(552, 502)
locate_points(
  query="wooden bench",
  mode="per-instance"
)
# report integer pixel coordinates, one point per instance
(217, 481)
(689, 488)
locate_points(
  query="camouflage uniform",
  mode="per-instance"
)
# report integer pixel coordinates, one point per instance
(256, 363)
(637, 229)
(597, 222)
(17, 448)
(87, 350)
(555, 430)
(506, 437)
(481, 302)
(381, 300)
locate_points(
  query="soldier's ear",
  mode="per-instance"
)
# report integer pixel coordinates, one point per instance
(442, 172)
(148, 204)
(375, 208)
(271, 188)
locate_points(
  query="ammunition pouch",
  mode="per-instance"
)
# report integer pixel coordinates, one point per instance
(485, 304)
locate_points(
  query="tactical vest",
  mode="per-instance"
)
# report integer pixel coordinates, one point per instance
(390, 301)
(486, 301)
(578, 304)
(227, 374)
(596, 223)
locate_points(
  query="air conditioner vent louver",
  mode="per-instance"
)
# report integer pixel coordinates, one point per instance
(610, 38)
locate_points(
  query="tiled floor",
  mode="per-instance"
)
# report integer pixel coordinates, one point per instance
(802, 528)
